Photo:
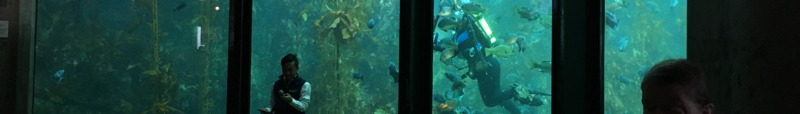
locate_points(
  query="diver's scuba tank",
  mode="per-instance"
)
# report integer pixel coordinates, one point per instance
(471, 47)
(475, 42)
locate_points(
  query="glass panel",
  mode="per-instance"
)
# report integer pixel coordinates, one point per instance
(517, 37)
(344, 50)
(121, 57)
(639, 34)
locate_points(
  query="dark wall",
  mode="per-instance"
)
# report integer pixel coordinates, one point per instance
(15, 56)
(8, 58)
(750, 51)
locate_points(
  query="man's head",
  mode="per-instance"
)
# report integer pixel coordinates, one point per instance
(675, 87)
(289, 65)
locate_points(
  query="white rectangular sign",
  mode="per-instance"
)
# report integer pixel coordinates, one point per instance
(3, 29)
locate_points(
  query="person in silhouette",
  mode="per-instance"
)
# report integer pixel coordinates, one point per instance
(675, 87)
(290, 94)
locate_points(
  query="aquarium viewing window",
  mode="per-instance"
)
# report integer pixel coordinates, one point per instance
(348, 51)
(141, 56)
(639, 34)
(481, 44)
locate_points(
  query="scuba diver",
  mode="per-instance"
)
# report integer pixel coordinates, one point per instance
(471, 37)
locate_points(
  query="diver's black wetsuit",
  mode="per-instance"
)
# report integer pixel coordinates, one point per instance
(491, 91)
(488, 78)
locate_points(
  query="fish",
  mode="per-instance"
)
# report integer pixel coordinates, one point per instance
(446, 11)
(622, 3)
(622, 44)
(461, 110)
(454, 94)
(611, 20)
(371, 23)
(477, 111)
(453, 77)
(474, 9)
(437, 44)
(358, 76)
(643, 70)
(393, 72)
(613, 7)
(449, 23)
(652, 5)
(512, 41)
(624, 80)
(446, 8)
(438, 98)
(544, 66)
(447, 54)
(179, 7)
(503, 51)
(546, 21)
(58, 77)
(510, 35)
(449, 44)
(673, 3)
(526, 13)
(496, 19)
(520, 43)
(458, 83)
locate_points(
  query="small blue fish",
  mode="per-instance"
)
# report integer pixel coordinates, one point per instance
(673, 3)
(624, 80)
(622, 44)
(392, 66)
(371, 23)
(393, 71)
(358, 76)
(179, 7)
(652, 5)
(520, 43)
(453, 77)
(643, 70)
(58, 76)
(611, 20)
(438, 98)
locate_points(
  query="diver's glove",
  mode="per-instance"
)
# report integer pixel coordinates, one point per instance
(523, 96)
(514, 86)
(513, 89)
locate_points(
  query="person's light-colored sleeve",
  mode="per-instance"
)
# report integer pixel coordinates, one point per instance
(305, 98)
(271, 99)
